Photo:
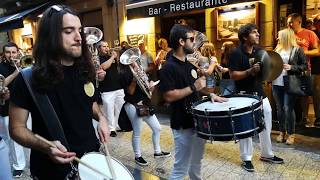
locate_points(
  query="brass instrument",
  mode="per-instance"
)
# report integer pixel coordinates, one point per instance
(130, 56)
(26, 61)
(94, 35)
(2, 88)
(199, 39)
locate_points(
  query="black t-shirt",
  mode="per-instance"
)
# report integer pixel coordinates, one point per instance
(126, 79)
(6, 70)
(176, 74)
(74, 109)
(315, 61)
(239, 61)
(111, 81)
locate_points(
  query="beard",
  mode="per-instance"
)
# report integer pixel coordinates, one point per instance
(188, 50)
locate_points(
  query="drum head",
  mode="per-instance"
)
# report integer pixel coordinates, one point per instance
(233, 103)
(99, 162)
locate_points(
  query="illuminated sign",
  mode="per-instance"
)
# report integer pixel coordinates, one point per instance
(139, 8)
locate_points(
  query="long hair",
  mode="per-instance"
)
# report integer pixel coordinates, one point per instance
(227, 47)
(48, 71)
(208, 50)
(286, 40)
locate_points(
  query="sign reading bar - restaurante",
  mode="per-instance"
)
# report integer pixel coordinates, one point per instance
(173, 6)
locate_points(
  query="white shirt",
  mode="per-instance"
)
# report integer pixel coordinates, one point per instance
(285, 58)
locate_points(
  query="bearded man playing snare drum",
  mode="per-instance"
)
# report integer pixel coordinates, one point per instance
(63, 67)
(248, 78)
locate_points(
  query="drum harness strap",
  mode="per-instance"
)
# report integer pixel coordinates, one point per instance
(49, 116)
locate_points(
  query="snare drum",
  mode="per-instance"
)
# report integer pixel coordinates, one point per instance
(99, 162)
(238, 118)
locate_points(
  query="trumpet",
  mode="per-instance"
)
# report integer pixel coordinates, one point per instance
(2, 88)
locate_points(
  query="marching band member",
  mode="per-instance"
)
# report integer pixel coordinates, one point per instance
(135, 96)
(249, 79)
(64, 71)
(112, 93)
(180, 86)
(10, 70)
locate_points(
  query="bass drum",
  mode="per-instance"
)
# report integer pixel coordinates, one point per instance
(99, 162)
(238, 118)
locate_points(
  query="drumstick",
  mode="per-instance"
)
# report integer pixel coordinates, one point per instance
(76, 159)
(113, 174)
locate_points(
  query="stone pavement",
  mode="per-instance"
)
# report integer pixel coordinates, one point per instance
(221, 160)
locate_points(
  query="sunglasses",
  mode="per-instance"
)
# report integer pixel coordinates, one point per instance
(191, 38)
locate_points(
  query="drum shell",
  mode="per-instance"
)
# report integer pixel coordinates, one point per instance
(218, 126)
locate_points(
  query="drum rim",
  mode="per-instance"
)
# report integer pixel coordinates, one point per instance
(111, 158)
(226, 113)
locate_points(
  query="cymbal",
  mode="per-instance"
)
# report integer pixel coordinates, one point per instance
(271, 64)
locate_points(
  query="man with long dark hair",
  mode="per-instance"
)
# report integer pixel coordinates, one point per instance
(63, 71)
(180, 85)
(248, 78)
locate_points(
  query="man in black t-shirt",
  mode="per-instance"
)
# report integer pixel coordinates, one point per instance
(180, 85)
(248, 78)
(10, 72)
(315, 72)
(110, 88)
(63, 71)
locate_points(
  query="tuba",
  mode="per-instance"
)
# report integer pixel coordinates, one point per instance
(93, 35)
(199, 39)
(133, 55)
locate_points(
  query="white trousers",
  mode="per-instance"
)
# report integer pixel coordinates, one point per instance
(246, 147)
(16, 150)
(5, 169)
(112, 104)
(136, 122)
(189, 149)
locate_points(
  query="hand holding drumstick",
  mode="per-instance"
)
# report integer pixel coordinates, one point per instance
(69, 159)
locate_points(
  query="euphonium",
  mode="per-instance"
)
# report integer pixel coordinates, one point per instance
(199, 39)
(133, 55)
(93, 35)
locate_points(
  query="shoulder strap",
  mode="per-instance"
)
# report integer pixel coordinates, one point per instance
(46, 110)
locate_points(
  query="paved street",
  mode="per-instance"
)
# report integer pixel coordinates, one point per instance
(222, 161)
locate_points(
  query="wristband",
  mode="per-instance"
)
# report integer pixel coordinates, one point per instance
(193, 88)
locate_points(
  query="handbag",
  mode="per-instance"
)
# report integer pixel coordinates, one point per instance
(299, 85)
(144, 110)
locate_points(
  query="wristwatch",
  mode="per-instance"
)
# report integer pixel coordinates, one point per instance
(193, 88)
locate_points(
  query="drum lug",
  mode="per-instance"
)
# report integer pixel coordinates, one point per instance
(232, 125)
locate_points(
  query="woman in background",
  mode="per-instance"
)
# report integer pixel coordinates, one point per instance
(294, 62)
(227, 85)
(208, 63)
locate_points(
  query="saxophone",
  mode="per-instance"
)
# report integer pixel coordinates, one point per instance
(130, 56)
(94, 35)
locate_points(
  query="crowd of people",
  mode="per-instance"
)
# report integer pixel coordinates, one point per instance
(63, 73)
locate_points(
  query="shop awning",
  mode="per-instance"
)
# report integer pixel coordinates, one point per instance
(16, 20)
(150, 8)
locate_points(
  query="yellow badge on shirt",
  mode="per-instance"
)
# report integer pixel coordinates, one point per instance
(194, 74)
(89, 89)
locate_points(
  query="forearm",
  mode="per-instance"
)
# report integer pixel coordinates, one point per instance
(10, 78)
(106, 65)
(313, 52)
(238, 75)
(26, 138)
(97, 112)
(177, 94)
(132, 87)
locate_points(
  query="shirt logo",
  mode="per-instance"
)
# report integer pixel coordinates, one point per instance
(89, 89)
(194, 74)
